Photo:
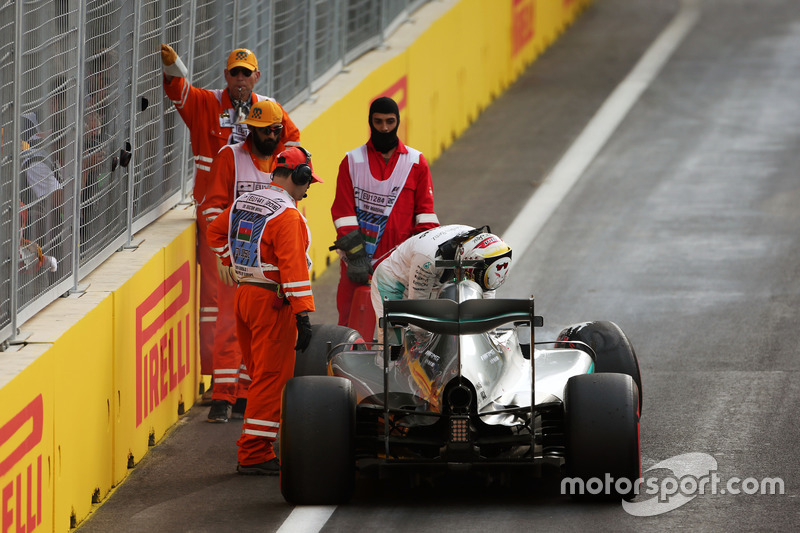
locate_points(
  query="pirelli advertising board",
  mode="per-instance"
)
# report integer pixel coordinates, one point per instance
(87, 407)
(157, 368)
(26, 454)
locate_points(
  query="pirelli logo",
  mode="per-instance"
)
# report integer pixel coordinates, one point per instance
(21, 496)
(523, 22)
(163, 342)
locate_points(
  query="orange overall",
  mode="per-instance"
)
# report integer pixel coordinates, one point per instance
(234, 168)
(266, 305)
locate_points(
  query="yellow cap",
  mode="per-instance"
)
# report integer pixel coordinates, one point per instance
(242, 57)
(264, 113)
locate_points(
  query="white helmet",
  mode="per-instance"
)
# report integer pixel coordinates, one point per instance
(496, 256)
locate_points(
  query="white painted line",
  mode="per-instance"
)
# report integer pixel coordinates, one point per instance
(532, 218)
(307, 519)
(525, 228)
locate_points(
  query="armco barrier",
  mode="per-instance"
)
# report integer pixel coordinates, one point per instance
(106, 373)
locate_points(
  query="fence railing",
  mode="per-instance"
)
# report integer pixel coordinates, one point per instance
(90, 149)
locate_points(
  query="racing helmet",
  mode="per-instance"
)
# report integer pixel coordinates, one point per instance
(496, 257)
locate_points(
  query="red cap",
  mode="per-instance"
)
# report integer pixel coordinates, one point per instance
(294, 156)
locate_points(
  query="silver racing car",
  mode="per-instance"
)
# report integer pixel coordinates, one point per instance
(460, 385)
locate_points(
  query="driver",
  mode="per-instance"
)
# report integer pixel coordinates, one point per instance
(410, 271)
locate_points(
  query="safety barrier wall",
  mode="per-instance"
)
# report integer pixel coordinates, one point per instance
(103, 377)
(107, 372)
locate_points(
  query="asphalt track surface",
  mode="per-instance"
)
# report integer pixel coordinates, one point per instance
(683, 229)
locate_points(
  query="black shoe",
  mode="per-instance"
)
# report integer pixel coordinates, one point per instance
(268, 468)
(220, 411)
(238, 408)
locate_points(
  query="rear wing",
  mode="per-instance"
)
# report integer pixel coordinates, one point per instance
(470, 317)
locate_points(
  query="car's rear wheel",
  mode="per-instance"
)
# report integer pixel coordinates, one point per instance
(317, 440)
(614, 351)
(314, 360)
(603, 456)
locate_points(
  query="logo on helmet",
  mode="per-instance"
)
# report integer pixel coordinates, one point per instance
(483, 245)
(496, 274)
(488, 241)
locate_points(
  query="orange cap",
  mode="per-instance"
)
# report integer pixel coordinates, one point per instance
(264, 113)
(242, 57)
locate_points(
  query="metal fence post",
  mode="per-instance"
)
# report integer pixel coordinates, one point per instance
(79, 133)
(186, 195)
(271, 59)
(132, 133)
(311, 9)
(235, 25)
(15, 152)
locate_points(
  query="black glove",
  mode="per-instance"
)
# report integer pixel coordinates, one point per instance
(303, 332)
(358, 264)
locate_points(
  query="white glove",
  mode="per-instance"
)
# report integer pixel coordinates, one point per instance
(173, 66)
(226, 274)
(50, 263)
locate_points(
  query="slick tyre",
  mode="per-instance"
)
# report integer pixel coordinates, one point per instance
(314, 360)
(611, 346)
(602, 436)
(318, 441)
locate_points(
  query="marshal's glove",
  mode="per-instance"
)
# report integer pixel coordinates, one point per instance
(173, 66)
(226, 274)
(303, 332)
(358, 264)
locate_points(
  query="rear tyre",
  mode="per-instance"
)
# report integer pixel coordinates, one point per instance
(614, 351)
(318, 441)
(314, 360)
(602, 435)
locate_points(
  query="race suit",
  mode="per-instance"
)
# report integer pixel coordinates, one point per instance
(266, 239)
(410, 272)
(234, 171)
(208, 115)
(387, 201)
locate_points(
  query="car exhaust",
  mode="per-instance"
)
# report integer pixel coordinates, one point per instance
(459, 399)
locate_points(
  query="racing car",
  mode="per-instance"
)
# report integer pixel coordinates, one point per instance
(460, 384)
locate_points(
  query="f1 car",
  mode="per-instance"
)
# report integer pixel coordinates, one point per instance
(460, 384)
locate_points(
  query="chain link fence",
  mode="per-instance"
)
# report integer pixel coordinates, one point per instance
(91, 151)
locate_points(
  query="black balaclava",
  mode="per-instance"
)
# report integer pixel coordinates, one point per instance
(383, 142)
